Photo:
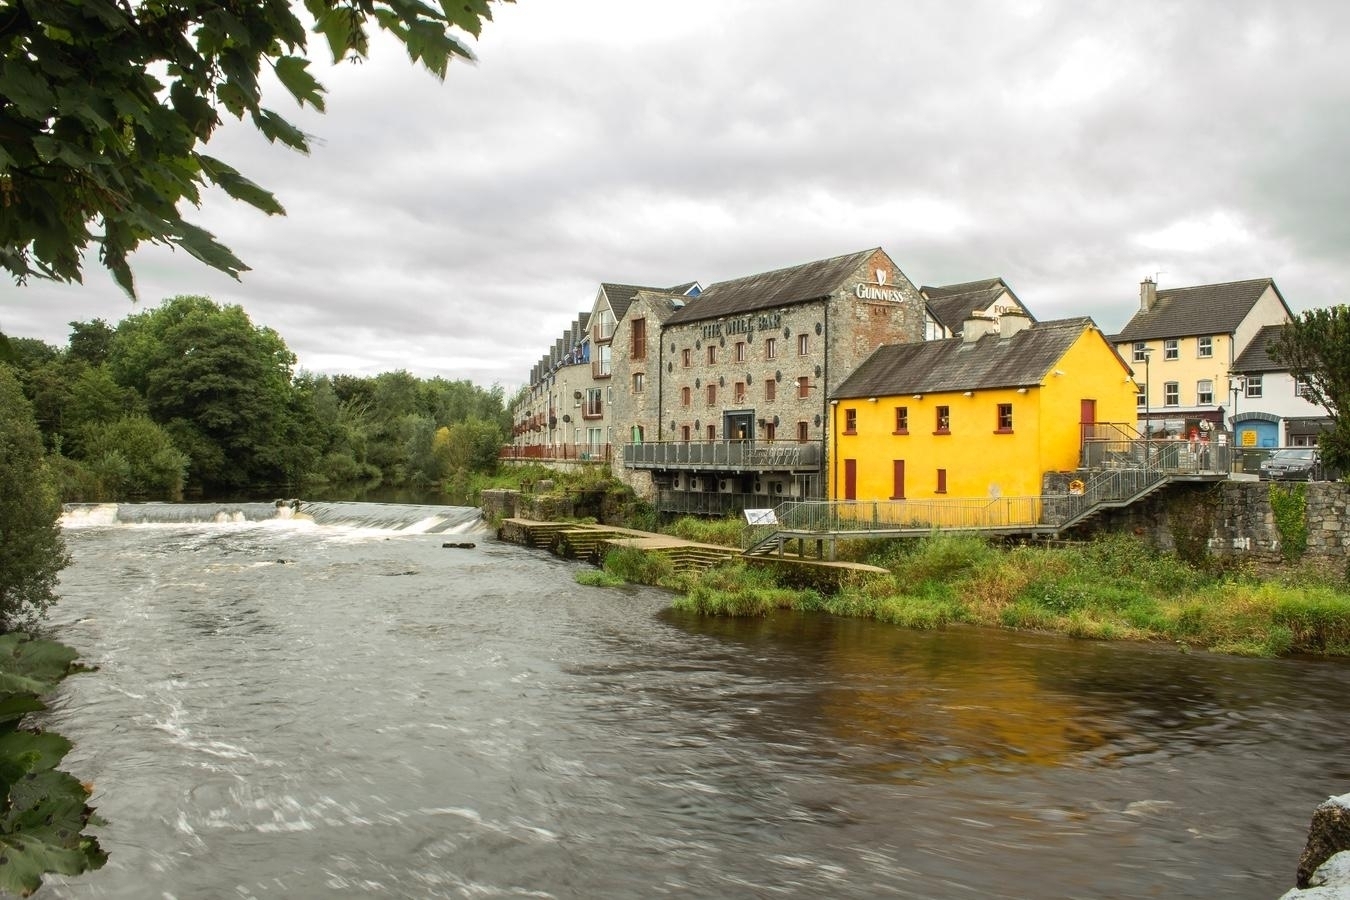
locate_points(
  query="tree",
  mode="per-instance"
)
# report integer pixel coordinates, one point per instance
(31, 550)
(1316, 348)
(104, 105)
(219, 385)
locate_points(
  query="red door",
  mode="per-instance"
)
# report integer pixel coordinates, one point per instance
(898, 475)
(1087, 417)
(850, 479)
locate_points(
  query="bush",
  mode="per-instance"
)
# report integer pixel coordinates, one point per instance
(31, 550)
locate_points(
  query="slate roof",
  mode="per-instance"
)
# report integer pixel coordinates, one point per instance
(662, 303)
(1203, 309)
(952, 304)
(1256, 356)
(621, 295)
(768, 290)
(930, 367)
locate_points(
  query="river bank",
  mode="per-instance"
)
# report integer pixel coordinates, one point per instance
(1113, 587)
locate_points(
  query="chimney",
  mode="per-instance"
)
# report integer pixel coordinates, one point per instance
(975, 327)
(1148, 295)
(1012, 321)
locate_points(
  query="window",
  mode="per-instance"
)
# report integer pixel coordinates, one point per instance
(1253, 385)
(712, 395)
(638, 379)
(684, 433)
(712, 354)
(803, 388)
(771, 348)
(1302, 388)
(941, 481)
(902, 420)
(638, 347)
(1204, 392)
(686, 396)
(770, 431)
(1140, 351)
(803, 345)
(1140, 401)
(1171, 350)
(850, 421)
(944, 420)
(740, 351)
(1204, 347)
(740, 387)
(594, 407)
(1005, 417)
(600, 361)
(803, 432)
(1171, 394)
(712, 432)
(686, 357)
(770, 390)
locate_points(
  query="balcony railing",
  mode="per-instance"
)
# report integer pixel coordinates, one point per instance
(554, 452)
(750, 456)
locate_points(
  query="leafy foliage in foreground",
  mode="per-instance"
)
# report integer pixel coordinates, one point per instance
(104, 106)
(43, 811)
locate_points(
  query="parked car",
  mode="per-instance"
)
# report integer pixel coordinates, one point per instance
(1292, 464)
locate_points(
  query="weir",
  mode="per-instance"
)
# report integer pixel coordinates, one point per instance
(405, 518)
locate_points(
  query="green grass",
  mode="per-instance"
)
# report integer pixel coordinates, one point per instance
(1113, 588)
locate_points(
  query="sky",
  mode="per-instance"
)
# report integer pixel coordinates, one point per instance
(1071, 147)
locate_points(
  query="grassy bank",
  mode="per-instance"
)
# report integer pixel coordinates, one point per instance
(1115, 587)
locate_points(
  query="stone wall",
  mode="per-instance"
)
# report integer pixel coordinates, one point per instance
(1236, 519)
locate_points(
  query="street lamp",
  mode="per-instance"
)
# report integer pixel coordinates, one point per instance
(1146, 352)
(1237, 385)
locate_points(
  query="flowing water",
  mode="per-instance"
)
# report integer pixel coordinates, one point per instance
(333, 704)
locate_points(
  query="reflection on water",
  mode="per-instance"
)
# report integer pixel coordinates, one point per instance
(292, 709)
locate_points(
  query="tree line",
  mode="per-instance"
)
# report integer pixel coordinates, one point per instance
(192, 396)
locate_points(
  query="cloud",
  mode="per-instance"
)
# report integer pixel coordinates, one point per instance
(456, 228)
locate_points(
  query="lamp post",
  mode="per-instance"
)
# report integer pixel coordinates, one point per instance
(1146, 352)
(1236, 384)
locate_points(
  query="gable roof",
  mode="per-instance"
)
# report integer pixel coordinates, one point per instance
(1256, 356)
(781, 287)
(954, 364)
(952, 304)
(1202, 309)
(620, 296)
(662, 304)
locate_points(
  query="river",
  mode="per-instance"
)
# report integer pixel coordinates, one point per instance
(339, 706)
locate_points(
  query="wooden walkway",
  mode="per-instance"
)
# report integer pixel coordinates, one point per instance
(592, 542)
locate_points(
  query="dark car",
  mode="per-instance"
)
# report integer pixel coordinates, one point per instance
(1292, 464)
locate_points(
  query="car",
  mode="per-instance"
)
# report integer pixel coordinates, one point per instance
(1292, 464)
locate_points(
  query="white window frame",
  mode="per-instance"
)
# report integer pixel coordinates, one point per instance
(1171, 393)
(1204, 347)
(1171, 349)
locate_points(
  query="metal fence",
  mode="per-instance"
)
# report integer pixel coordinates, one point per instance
(552, 452)
(757, 456)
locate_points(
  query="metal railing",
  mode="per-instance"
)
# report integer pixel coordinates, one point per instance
(553, 452)
(752, 456)
(1121, 472)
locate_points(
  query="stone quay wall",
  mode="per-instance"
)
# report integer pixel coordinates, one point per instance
(1237, 519)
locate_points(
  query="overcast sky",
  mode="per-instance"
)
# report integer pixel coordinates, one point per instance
(1070, 147)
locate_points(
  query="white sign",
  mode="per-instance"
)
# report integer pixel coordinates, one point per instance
(761, 517)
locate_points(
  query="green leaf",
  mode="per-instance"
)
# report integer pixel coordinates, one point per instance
(33, 664)
(275, 128)
(239, 187)
(204, 246)
(14, 706)
(303, 86)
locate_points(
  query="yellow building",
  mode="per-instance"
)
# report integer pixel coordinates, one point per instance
(981, 416)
